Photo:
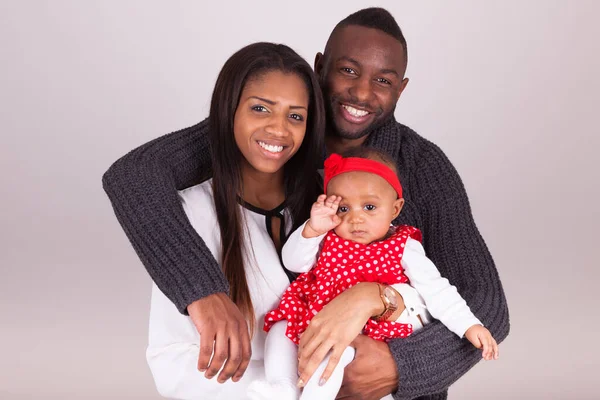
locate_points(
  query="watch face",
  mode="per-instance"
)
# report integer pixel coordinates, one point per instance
(390, 296)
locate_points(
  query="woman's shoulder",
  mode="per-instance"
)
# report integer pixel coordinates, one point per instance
(201, 193)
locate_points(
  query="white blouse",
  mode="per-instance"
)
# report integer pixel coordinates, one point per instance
(173, 348)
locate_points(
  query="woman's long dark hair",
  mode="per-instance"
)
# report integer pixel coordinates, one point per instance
(301, 180)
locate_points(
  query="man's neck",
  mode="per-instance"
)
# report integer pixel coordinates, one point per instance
(262, 190)
(338, 145)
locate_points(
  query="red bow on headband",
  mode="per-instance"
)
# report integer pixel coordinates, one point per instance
(336, 165)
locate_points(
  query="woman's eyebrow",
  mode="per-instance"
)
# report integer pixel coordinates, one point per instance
(271, 102)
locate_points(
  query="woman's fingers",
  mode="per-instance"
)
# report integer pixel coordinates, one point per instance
(308, 366)
(311, 339)
(333, 362)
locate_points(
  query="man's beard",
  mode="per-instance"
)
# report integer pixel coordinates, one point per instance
(336, 131)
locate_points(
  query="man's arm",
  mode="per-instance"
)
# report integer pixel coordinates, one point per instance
(142, 187)
(433, 358)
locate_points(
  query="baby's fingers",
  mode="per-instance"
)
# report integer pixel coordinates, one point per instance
(333, 202)
(321, 200)
(495, 349)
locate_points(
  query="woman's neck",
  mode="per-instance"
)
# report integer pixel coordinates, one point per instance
(261, 189)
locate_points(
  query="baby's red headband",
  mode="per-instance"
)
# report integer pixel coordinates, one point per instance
(336, 164)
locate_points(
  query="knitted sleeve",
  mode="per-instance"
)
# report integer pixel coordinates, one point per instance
(142, 187)
(433, 358)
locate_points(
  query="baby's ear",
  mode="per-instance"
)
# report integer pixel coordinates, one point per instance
(398, 204)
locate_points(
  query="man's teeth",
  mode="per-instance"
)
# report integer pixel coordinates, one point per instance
(271, 148)
(355, 112)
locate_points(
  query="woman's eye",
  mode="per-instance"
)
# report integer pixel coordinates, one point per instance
(348, 70)
(259, 108)
(369, 207)
(297, 117)
(342, 209)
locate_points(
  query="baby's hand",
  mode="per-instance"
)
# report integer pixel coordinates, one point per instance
(323, 216)
(481, 337)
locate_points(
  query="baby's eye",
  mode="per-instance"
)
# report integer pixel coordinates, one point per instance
(370, 207)
(342, 209)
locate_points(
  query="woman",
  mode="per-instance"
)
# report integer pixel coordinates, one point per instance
(267, 123)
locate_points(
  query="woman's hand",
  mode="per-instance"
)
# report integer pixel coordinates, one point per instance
(335, 327)
(323, 216)
(222, 328)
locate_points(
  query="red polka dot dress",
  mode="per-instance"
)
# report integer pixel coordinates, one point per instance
(342, 264)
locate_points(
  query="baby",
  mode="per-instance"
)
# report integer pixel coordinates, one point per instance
(350, 230)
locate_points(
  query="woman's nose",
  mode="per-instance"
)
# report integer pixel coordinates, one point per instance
(277, 126)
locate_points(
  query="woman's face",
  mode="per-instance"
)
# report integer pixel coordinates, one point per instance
(270, 120)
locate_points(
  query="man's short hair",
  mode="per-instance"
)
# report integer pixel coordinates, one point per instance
(376, 18)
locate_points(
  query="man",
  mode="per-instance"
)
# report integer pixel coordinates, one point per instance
(361, 72)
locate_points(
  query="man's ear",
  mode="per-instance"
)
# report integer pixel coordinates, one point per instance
(318, 63)
(401, 88)
(398, 204)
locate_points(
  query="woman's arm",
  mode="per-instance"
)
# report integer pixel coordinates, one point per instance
(142, 187)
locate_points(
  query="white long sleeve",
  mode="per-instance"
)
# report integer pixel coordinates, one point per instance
(299, 254)
(442, 299)
(173, 347)
(172, 355)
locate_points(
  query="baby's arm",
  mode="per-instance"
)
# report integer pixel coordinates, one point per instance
(442, 299)
(299, 254)
(300, 251)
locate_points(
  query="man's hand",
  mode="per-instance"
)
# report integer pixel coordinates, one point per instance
(372, 375)
(222, 328)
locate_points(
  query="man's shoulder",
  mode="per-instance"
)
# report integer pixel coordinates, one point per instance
(417, 148)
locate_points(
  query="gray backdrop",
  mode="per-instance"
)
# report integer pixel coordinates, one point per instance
(508, 89)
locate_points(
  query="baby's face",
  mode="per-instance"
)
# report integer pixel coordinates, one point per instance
(369, 205)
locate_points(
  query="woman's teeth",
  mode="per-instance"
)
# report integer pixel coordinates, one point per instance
(355, 112)
(271, 148)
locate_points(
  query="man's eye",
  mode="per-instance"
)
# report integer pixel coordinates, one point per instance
(348, 70)
(384, 81)
(369, 207)
(342, 209)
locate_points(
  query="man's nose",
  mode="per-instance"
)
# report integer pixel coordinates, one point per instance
(362, 91)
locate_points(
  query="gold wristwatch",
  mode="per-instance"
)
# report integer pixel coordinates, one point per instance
(389, 300)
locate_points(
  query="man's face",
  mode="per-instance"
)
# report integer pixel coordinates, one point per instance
(362, 77)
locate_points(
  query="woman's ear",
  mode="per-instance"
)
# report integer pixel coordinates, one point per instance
(398, 204)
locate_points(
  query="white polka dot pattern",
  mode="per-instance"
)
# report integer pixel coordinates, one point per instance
(341, 265)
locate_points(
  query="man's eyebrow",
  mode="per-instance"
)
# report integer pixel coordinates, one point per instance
(272, 103)
(349, 59)
(390, 71)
